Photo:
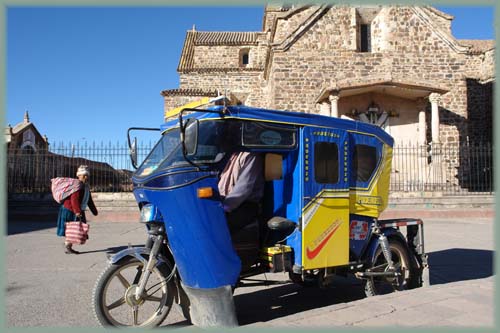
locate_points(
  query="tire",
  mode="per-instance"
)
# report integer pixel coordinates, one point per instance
(113, 296)
(401, 260)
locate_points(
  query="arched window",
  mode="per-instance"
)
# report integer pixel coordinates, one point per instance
(28, 150)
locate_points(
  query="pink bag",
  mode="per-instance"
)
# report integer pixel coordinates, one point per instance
(77, 232)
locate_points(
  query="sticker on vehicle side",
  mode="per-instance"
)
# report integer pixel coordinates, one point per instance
(358, 230)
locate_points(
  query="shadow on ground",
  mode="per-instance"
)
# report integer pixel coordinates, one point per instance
(285, 300)
(455, 265)
(446, 266)
(18, 227)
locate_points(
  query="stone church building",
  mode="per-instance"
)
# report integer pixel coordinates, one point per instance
(25, 137)
(396, 66)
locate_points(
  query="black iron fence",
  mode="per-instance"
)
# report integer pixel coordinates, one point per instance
(454, 170)
(30, 171)
(450, 169)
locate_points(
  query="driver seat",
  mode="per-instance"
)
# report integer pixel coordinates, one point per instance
(247, 241)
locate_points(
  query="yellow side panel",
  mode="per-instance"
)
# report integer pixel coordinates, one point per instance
(325, 240)
(366, 204)
(372, 201)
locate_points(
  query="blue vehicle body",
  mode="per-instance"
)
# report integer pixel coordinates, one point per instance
(197, 229)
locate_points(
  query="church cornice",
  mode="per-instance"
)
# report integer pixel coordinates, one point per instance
(382, 80)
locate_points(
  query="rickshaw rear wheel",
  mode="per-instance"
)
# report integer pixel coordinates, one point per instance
(114, 296)
(401, 260)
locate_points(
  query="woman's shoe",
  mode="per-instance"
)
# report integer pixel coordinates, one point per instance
(69, 250)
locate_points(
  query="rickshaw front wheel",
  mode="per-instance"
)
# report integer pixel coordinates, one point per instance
(114, 295)
(380, 285)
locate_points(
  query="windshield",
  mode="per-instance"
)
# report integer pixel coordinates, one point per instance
(166, 147)
(168, 151)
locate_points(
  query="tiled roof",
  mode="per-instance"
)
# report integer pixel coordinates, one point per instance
(215, 38)
(186, 60)
(189, 92)
(225, 38)
(478, 45)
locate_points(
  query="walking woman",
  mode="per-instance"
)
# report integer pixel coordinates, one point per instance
(74, 206)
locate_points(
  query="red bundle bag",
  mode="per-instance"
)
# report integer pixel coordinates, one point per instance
(63, 187)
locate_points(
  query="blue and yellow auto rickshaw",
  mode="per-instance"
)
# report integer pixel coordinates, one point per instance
(327, 181)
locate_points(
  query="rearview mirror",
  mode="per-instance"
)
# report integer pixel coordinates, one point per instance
(133, 152)
(190, 137)
(132, 145)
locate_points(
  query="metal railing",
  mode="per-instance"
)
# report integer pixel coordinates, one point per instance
(30, 171)
(452, 170)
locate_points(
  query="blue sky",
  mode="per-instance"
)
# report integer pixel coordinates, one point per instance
(88, 74)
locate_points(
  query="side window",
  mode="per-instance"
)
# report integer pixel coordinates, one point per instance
(326, 162)
(268, 135)
(364, 162)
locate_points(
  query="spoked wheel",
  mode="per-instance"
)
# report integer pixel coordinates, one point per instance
(380, 285)
(114, 298)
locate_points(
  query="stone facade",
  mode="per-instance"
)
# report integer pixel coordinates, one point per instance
(405, 65)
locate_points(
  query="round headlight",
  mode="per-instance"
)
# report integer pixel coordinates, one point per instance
(150, 213)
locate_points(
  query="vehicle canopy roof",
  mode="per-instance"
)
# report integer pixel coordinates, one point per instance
(294, 118)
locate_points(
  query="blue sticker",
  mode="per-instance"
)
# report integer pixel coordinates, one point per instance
(270, 137)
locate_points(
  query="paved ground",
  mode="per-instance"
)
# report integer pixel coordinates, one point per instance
(47, 288)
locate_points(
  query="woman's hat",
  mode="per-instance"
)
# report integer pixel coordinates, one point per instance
(82, 170)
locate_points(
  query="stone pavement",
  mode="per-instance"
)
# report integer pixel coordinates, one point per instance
(458, 304)
(41, 290)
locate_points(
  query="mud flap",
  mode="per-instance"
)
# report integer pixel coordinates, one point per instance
(212, 307)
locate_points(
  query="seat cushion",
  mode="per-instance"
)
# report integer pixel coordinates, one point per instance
(280, 224)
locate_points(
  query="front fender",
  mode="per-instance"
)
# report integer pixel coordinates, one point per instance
(390, 233)
(138, 253)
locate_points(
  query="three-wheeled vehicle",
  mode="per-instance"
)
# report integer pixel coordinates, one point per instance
(327, 181)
